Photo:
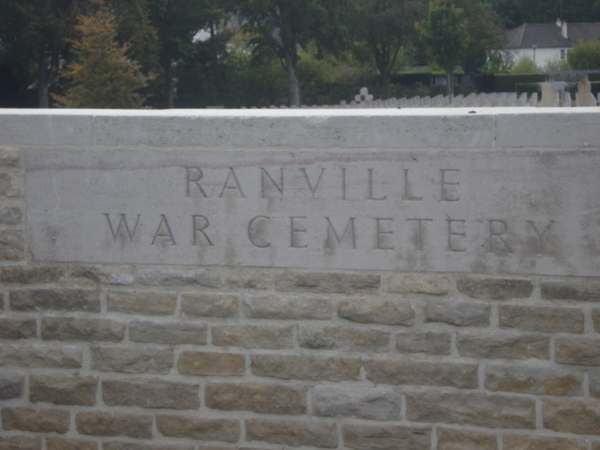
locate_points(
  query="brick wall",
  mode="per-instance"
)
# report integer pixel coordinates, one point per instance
(144, 357)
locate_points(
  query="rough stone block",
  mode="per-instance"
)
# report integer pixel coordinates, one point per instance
(54, 299)
(11, 385)
(260, 398)
(42, 421)
(136, 446)
(386, 437)
(17, 328)
(490, 411)
(117, 275)
(180, 278)
(543, 319)
(53, 443)
(99, 423)
(142, 302)
(585, 291)
(63, 389)
(344, 339)
(31, 274)
(531, 380)
(12, 245)
(10, 157)
(170, 333)
(253, 336)
(131, 359)
(198, 428)
(402, 372)
(569, 416)
(249, 279)
(427, 342)
(542, 443)
(294, 433)
(150, 394)
(11, 184)
(450, 439)
(579, 351)
(460, 314)
(210, 305)
(595, 384)
(304, 367)
(484, 288)
(361, 402)
(418, 284)
(385, 311)
(209, 363)
(41, 356)
(80, 329)
(11, 214)
(486, 346)
(328, 282)
(20, 443)
(596, 319)
(288, 308)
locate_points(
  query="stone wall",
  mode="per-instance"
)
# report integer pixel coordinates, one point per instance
(141, 356)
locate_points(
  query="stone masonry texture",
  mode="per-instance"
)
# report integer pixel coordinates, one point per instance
(162, 356)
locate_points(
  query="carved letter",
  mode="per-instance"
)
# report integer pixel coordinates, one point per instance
(331, 230)
(237, 186)
(252, 233)
(371, 187)
(497, 232)
(193, 176)
(419, 236)
(263, 174)
(312, 190)
(123, 222)
(294, 231)
(538, 234)
(449, 195)
(200, 228)
(407, 194)
(164, 230)
(452, 234)
(381, 233)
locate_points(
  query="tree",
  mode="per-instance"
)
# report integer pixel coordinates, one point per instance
(445, 36)
(585, 56)
(512, 13)
(524, 66)
(102, 75)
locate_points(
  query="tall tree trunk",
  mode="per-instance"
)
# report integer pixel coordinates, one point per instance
(170, 86)
(42, 79)
(385, 84)
(450, 84)
(292, 74)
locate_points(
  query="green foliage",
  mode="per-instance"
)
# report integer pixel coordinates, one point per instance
(498, 62)
(557, 65)
(524, 66)
(585, 56)
(102, 76)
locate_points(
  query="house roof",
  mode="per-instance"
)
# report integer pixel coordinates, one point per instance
(549, 35)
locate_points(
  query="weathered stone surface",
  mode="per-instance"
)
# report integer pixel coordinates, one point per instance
(544, 319)
(477, 345)
(393, 371)
(344, 339)
(136, 446)
(41, 356)
(450, 439)
(42, 421)
(288, 308)
(595, 384)
(31, 274)
(54, 299)
(596, 319)
(210, 305)
(172, 333)
(327, 282)
(12, 245)
(11, 214)
(10, 157)
(69, 444)
(80, 329)
(530, 380)
(63, 389)
(304, 367)
(494, 288)
(20, 443)
(150, 394)
(295, 433)
(99, 423)
(11, 385)
(131, 359)
(482, 410)
(117, 275)
(197, 428)
(17, 328)
(428, 342)
(461, 314)
(579, 351)
(418, 284)
(253, 336)
(588, 291)
(361, 402)
(161, 277)
(11, 184)
(260, 398)
(385, 311)
(210, 363)
(242, 278)
(577, 417)
(386, 437)
(142, 302)
(542, 443)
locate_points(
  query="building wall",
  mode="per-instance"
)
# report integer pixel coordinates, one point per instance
(141, 356)
(541, 56)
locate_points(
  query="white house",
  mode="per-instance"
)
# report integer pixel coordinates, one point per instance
(544, 42)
